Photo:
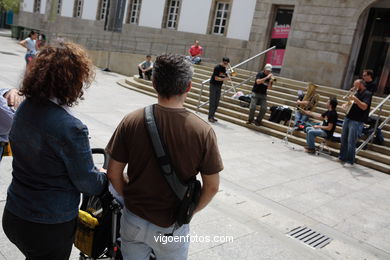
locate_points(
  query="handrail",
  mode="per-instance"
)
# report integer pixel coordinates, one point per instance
(370, 138)
(379, 105)
(247, 60)
(235, 66)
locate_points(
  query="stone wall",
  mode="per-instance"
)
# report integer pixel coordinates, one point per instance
(320, 43)
(318, 49)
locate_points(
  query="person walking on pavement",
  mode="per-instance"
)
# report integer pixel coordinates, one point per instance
(218, 77)
(263, 82)
(30, 43)
(150, 202)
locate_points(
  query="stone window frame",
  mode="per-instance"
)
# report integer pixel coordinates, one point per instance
(213, 17)
(133, 12)
(37, 6)
(102, 10)
(166, 14)
(59, 7)
(78, 8)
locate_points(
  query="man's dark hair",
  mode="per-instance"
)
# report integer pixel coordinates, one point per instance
(171, 75)
(369, 73)
(148, 56)
(333, 102)
(225, 59)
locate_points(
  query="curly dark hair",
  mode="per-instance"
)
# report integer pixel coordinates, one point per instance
(171, 75)
(59, 71)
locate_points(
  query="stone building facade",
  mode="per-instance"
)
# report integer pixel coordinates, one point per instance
(329, 42)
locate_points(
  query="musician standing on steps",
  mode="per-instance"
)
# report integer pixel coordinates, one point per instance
(263, 82)
(217, 79)
(353, 122)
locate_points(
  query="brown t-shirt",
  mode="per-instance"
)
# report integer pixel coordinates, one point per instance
(191, 145)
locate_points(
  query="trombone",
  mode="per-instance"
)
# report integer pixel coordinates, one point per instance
(232, 72)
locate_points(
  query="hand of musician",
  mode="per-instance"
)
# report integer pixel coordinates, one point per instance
(316, 126)
(353, 98)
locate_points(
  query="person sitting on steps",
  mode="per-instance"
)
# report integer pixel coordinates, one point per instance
(146, 68)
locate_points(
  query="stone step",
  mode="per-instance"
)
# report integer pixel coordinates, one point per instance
(381, 154)
(269, 128)
(278, 100)
(288, 88)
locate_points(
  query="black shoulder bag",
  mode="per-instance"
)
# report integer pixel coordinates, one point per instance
(189, 193)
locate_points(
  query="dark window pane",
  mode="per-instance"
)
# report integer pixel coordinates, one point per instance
(223, 22)
(215, 29)
(217, 21)
(222, 30)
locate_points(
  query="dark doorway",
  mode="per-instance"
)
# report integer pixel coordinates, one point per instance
(375, 52)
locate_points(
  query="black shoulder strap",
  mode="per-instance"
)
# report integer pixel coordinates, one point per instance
(163, 159)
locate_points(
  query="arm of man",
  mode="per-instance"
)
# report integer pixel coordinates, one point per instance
(362, 105)
(262, 80)
(115, 175)
(327, 128)
(312, 114)
(209, 189)
(140, 66)
(150, 67)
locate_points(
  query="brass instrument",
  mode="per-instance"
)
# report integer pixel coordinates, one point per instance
(272, 79)
(349, 103)
(311, 97)
(231, 71)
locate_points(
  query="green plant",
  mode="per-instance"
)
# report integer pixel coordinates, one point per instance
(8, 5)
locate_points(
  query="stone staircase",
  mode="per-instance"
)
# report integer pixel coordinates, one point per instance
(284, 92)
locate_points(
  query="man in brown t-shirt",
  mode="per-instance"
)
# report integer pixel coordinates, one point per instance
(150, 203)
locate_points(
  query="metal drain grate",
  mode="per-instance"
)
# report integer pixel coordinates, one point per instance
(310, 237)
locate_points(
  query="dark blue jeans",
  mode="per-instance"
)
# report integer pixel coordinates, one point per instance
(349, 137)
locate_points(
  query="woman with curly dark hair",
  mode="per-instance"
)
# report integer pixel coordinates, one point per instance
(52, 160)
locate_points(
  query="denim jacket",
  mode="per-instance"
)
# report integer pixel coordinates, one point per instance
(52, 164)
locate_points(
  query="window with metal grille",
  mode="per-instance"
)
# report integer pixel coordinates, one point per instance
(78, 8)
(220, 18)
(134, 11)
(172, 14)
(37, 6)
(59, 6)
(103, 8)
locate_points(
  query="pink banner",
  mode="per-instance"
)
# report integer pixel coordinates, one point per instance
(275, 57)
(280, 31)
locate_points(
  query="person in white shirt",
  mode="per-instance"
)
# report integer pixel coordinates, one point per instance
(30, 43)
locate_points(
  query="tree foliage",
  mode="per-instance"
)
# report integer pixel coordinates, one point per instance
(10, 5)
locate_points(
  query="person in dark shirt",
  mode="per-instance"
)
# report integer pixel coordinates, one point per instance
(263, 82)
(325, 130)
(353, 122)
(217, 79)
(371, 84)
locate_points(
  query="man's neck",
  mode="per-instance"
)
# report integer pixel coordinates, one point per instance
(173, 102)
